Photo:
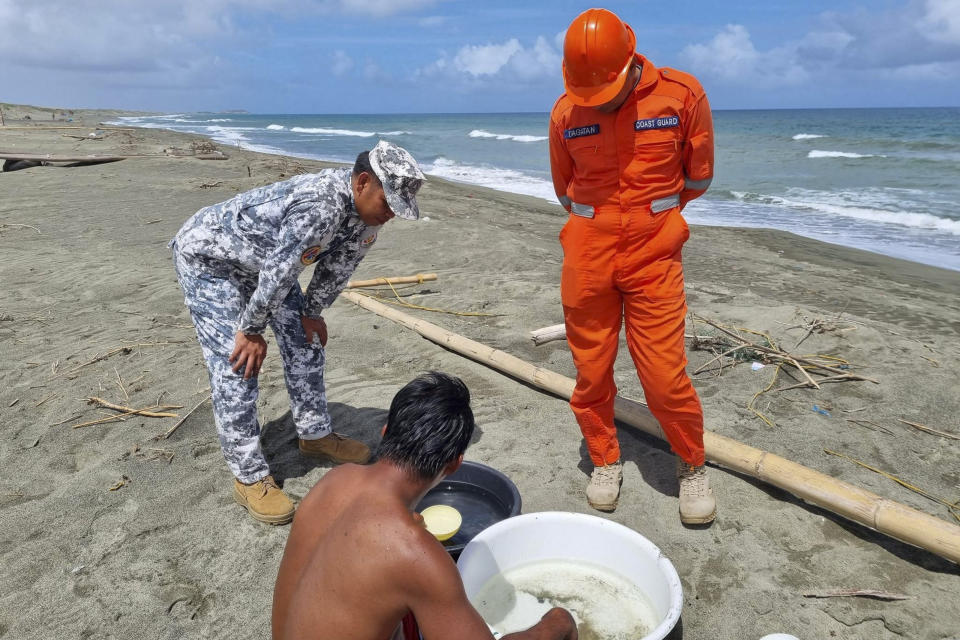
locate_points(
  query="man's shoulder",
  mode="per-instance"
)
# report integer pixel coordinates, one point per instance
(682, 78)
(561, 109)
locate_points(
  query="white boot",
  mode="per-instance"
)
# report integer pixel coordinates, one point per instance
(604, 488)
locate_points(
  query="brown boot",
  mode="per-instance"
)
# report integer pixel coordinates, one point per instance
(337, 448)
(697, 504)
(603, 492)
(264, 501)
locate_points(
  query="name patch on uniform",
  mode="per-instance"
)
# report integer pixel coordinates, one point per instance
(366, 242)
(579, 132)
(661, 122)
(310, 256)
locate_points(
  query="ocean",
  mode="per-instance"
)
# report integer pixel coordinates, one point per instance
(884, 180)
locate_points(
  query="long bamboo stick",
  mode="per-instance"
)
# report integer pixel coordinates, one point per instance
(420, 277)
(886, 516)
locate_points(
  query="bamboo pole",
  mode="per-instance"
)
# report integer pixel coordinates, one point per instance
(886, 516)
(420, 277)
(548, 334)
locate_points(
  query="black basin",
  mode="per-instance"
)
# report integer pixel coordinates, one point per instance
(481, 494)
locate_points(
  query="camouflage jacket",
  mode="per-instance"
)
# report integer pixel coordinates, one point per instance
(267, 236)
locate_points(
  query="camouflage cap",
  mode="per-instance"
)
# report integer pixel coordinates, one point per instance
(400, 176)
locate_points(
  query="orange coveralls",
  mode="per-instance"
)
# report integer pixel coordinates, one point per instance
(625, 177)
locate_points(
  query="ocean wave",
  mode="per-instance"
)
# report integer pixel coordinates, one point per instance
(808, 136)
(827, 203)
(276, 127)
(480, 133)
(347, 132)
(220, 120)
(492, 177)
(815, 153)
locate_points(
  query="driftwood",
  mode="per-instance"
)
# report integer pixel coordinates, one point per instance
(52, 157)
(376, 282)
(886, 516)
(857, 593)
(548, 334)
(169, 432)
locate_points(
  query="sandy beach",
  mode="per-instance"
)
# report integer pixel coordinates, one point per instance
(108, 533)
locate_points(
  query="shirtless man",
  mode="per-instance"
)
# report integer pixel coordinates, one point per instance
(359, 564)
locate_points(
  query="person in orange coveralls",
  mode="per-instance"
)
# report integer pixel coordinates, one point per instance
(630, 145)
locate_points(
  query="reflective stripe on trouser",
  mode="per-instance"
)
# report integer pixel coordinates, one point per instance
(627, 265)
(216, 305)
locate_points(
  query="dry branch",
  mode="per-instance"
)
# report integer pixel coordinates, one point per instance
(942, 434)
(416, 279)
(166, 434)
(857, 593)
(140, 412)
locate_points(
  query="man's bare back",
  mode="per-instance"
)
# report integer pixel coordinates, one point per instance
(359, 559)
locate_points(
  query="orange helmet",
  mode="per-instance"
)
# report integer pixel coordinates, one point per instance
(597, 54)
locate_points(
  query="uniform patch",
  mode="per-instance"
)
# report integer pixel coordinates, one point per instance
(661, 122)
(310, 255)
(579, 132)
(366, 242)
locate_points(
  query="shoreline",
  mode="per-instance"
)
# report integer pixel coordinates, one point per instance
(715, 209)
(93, 309)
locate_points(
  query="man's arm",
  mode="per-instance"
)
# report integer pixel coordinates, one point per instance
(330, 277)
(697, 149)
(561, 167)
(281, 268)
(440, 605)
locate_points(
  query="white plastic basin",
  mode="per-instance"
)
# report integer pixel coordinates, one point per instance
(555, 535)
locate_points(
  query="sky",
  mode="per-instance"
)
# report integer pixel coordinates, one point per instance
(442, 56)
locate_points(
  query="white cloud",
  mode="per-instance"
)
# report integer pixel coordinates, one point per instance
(941, 21)
(341, 62)
(431, 22)
(486, 59)
(378, 8)
(505, 62)
(732, 58)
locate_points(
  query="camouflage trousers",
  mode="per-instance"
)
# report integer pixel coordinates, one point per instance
(216, 302)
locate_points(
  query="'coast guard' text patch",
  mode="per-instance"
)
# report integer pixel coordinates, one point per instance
(579, 132)
(662, 122)
(310, 256)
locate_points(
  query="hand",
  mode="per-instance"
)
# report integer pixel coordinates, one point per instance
(248, 351)
(315, 327)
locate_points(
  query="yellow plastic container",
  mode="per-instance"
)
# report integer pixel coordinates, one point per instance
(442, 521)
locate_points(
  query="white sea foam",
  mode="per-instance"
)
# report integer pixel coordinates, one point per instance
(220, 120)
(276, 127)
(346, 132)
(480, 133)
(808, 136)
(840, 154)
(856, 206)
(492, 177)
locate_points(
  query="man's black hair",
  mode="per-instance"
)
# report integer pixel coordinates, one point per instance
(429, 426)
(363, 165)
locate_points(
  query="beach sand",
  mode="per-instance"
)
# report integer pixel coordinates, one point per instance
(91, 307)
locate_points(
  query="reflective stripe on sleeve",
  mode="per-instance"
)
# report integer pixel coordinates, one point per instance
(662, 204)
(697, 185)
(564, 201)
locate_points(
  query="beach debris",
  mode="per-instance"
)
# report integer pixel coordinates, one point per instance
(858, 593)
(123, 349)
(846, 500)
(122, 482)
(548, 334)
(873, 426)
(419, 278)
(821, 410)
(169, 432)
(126, 412)
(926, 429)
(16, 400)
(399, 301)
(756, 366)
(211, 185)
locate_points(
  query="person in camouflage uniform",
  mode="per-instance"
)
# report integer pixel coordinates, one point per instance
(238, 264)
